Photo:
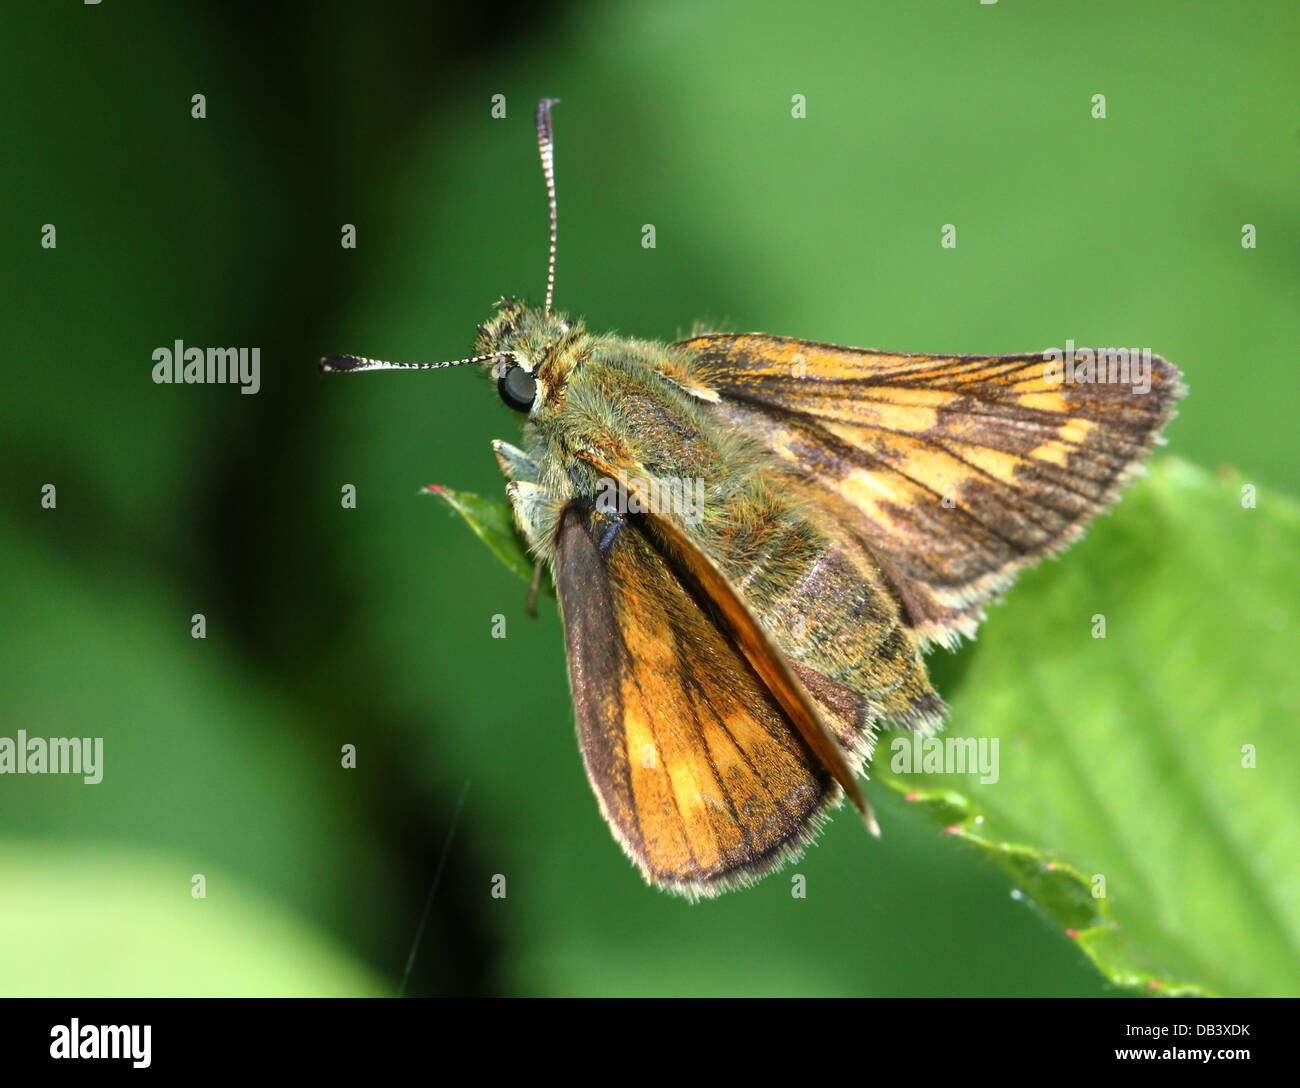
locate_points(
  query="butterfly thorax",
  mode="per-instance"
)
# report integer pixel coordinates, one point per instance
(621, 399)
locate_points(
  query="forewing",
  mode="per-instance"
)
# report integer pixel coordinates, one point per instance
(703, 780)
(954, 472)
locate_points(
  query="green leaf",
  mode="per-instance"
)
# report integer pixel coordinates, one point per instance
(1125, 757)
(494, 524)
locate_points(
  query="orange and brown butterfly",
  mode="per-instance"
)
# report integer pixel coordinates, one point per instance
(753, 539)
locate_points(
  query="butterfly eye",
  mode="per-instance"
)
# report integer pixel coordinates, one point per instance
(518, 388)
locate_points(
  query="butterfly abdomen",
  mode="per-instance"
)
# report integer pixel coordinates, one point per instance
(825, 605)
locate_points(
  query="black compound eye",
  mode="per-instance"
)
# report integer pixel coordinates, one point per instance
(518, 388)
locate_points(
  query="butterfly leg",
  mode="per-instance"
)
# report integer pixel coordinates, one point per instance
(537, 511)
(530, 606)
(515, 464)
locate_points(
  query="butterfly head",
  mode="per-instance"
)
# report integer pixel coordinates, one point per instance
(530, 354)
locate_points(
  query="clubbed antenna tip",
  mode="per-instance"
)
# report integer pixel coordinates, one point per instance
(546, 147)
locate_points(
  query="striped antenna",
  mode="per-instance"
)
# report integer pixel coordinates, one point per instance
(345, 364)
(546, 146)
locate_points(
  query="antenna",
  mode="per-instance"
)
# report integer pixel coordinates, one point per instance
(546, 147)
(343, 364)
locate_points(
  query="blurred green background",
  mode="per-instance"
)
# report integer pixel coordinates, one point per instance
(328, 626)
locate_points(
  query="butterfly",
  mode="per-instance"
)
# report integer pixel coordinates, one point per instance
(753, 539)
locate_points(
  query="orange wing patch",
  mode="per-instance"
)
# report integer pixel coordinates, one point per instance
(954, 472)
(697, 769)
